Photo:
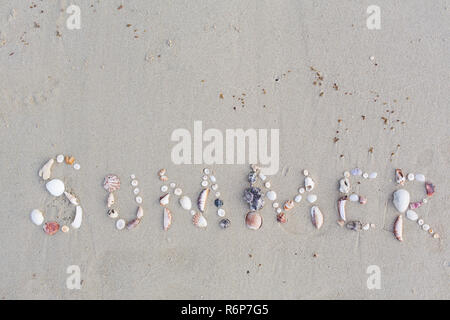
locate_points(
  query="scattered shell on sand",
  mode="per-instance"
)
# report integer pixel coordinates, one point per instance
(429, 187)
(398, 228)
(401, 200)
(164, 188)
(356, 172)
(288, 205)
(311, 198)
(199, 220)
(224, 223)
(140, 213)
(298, 198)
(133, 223)
(281, 217)
(55, 187)
(201, 200)
(186, 203)
(111, 200)
(204, 183)
(77, 166)
(301, 190)
(309, 184)
(412, 215)
(344, 185)
(69, 160)
(112, 213)
(365, 175)
(138, 200)
(111, 183)
(72, 199)
(60, 158)
(221, 212)
(46, 170)
(78, 218)
(164, 200)
(206, 171)
(426, 227)
(373, 175)
(411, 176)
(51, 228)
(341, 207)
(167, 219)
(316, 217)
(177, 191)
(305, 173)
(134, 183)
(37, 217)
(420, 222)
(120, 224)
(399, 177)
(354, 197)
(212, 179)
(271, 195)
(362, 200)
(253, 220)
(65, 229)
(420, 177)
(416, 205)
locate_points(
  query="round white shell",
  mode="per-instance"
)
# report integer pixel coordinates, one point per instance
(412, 215)
(178, 191)
(221, 212)
(186, 203)
(298, 198)
(411, 176)
(37, 217)
(401, 200)
(373, 175)
(120, 224)
(354, 197)
(55, 187)
(60, 158)
(426, 227)
(311, 198)
(420, 177)
(271, 195)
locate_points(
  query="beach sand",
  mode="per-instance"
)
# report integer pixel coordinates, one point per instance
(112, 93)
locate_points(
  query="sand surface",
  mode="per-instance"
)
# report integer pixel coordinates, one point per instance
(112, 94)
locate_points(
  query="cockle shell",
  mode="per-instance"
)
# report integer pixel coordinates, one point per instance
(37, 217)
(429, 187)
(55, 187)
(199, 220)
(111, 183)
(344, 185)
(140, 212)
(202, 198)
(253, 220)
(111, 200)
(288, 205)
(309, 184)
(398, 228)
(415, 205)
(164, 200)
(316, 217)
(186, 203)
(401, 200)
(281, 217)
(167, 219)
(412, 215)
(133, 223)
(341, 207)
(51, 228)
(46, 170)
(400, 177)
(72, 199)
(78, 218)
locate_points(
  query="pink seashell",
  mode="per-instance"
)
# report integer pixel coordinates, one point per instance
(132, 224)
(111, 183)
(253, 220)
(415, 205)
(51, 228)
(362, 200)
(430, 188)
(281, 217)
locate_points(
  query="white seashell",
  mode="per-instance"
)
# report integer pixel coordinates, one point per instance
(167, 219)
(341, 207)
(346, 174)
(278, 210)
(140, 213)
(354, 197)
(311, 198)
(305, 173)
(206, 171)
(213, 179)
(77, 166)
(420, 177)
(221, 212)
(267, 184)
(172, 185)
(133, 223)
(164, 188)
(309, 184)
(132, 176)
(365, 175)
(65, 229)
(373, 175)
(301, 190)
(344, 185)
(214, 187)
(177, 191)
(46, 170)
(426, 227)
(193, 212)
(202, 198)
(401, 200)
(164, 200)
(120, 224)
(134, 183)
(398, 228)
(186, 203)
(271, 195)
(78, 217)
(72, 199)
(411, 176)
(138, 200)
(275, 205)
(136, 191)
(298, 198)
(204, 183)
(37, 217)
(317, 217)
(262, 177)
(199, 221)
(412, 215)
(55, 187)
(420, 222)
(60, 158)
(399, 177)
(366, 227)
(111, 200)
(205, 177)
(217, 194)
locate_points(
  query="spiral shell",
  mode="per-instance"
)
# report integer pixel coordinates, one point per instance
(111, 183)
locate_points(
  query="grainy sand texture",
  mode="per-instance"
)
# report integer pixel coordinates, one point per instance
(112, 92)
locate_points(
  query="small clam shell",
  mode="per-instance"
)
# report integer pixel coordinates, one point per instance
(51, 228)
(46, 170)
(401, 200)
(429, 187)
(111, 200)
(411, 176)
(55, 187)
(202, 198)
(309, 184)
(60, 158)
(341, 207)
(167, 219)
(120, 224)
(72, 199)
(111, 183)
(400, 177)
(316, 217)
(185, 202)
(398, 228)
(199, 220)
(164, 200)
(253, 220)
(78, 218)
(37, 217)
(344, 185)
(412, 215)
(281, 217)
(133, 223)
(221, 212)
(288, 205)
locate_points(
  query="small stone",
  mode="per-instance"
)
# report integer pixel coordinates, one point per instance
(267, 185)
(356, 172)
(224, 223)
(213, 179)
(217, 194)
(372, 58)
(262, 177)
(221, 212)
(420, 177)
(305, 173)
(120, 224)
(214, 187)
(77, 166)
(218, 203)
(173, 185)
(412, 215)
(365, 175)
(373, 175)
(60, 158)
(366, 227)
(252, 177)
(164, 188)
